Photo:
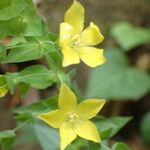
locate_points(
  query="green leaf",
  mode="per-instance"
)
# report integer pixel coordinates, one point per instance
(26, 23)
(13, 27)
(7, 138)
(128, 36)
(38, 76)
(103, 146)
(23, 89)
(31, 111)
(78, 144)
(117, 80)
(7, 134)
(145, 128)
(33, 24)
(16, 41)
(108, 127)
(106, 133)
(10, 82)
(93, 145)
(26, 136)
(120, 146)
(47, 136)
(34, 49)
(10, 9)
(2, 52)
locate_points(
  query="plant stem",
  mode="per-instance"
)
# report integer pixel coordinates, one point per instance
(50, 63)
(105, 146)
(21, 125)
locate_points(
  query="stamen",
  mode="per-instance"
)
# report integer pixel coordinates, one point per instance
(72, 117)
(76, 41)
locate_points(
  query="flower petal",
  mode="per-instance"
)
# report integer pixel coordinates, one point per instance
(92, 56)
(67, 100)
(66, 31)
(70, 56)
(53, 118)
(91, 35)
(87, 130)
(75, 17)
(3, 92)
(89, 108)
(67, 135)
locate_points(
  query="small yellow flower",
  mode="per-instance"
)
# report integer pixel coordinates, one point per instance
(3, 86)
(72, 119)
(77, 43)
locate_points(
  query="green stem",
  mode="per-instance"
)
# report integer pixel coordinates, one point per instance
(105, 146)
(50, 63)
(52, 66)
(21, 125)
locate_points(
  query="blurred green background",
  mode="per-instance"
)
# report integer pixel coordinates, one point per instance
(124, 80)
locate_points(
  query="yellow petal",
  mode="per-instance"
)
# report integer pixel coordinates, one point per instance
(91, 35)
(70, 56)
(67, 100)
(67, 135)
(53, 118)
(3, 86)
(89, 108)
(3, 92)
(65, 34)
(75, 17)
(92, 56)
(87, 130)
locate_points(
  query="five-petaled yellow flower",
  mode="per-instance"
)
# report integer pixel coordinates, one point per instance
(72, 119)
(77, 43)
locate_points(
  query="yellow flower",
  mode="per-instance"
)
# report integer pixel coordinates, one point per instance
(72, 119)
(77, 43)
(3, 86)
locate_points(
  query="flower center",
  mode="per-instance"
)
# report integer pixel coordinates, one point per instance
(76, 41)
(73, 117)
